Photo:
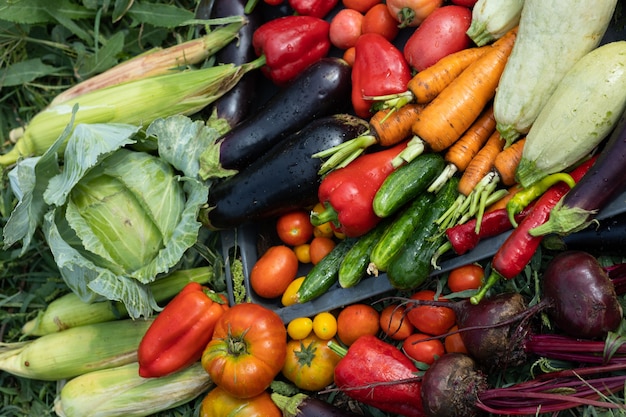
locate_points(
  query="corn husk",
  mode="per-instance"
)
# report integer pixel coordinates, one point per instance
(136, 103)
(158, 61)
(70, 311)
(74, 351)
(121, 391)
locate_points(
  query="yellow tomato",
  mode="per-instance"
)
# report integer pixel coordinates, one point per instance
(302, 253)
(289, 296)
(324, 229)
(300, 328)
(325, 325)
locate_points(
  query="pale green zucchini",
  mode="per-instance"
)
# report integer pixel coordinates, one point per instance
(553, 35)
(491, 19)
(582, 111)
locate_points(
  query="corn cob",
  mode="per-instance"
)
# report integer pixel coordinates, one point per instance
(121, 391)
(74, 351)
(157, 61)
(136, 102)
(70, 311)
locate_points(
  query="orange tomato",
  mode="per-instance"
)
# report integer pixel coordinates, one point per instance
(348, 55)
(395, 323)
(357, 320)
(454, 342)
(425, 351)
(379, 20)
(429, 319)
(294, 228)
(320, 247)
(466, 277)
(274, 271)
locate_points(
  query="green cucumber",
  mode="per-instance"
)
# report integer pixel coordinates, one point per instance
(410, 267)
(406, 182)
(400, 229)
(354, 265)
(325, 273)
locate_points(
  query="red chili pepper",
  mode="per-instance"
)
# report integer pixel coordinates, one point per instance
(290, 45)
(315, 8)
(179, 334)
(348, 193)
(517, 250)
(379, 374)
(463, 237)
(379, 69)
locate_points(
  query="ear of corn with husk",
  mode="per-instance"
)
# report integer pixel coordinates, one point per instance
(136, 103)
(70, 311)
(121, 391)
(74, 351)
(158, 61)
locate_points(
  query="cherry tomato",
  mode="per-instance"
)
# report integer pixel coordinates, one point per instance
(289, 296)
(395, 323)
(274, 271)
(429, 319)
(426, 351)
(466, 277)
(379, 20)
(345, 28)
(454, 342)
(294, 228)
(360, 5)
(310, 363)
(441, 33)
(325, 325)
(411, 13)
(299, 328)
(320, 247)
(303, 253)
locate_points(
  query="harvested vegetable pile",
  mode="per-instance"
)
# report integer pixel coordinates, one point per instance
(312, 208)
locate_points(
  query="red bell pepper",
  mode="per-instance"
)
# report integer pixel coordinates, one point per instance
(315, 8)
(347, 193)
(520, 246)
(291, 44)
(180, 333)
(379, 69)
(377, 373)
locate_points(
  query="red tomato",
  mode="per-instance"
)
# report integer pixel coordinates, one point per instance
(379, 20)
(442, 33)
(360, 5)
(454, 342)
(320, 246)
(294, 228)
(411, 13)
(466, 277)
(426, 351)
(345, 28)
(465, 3)
(394, 323)
(247, 351)
(273, 272)
(429, 319)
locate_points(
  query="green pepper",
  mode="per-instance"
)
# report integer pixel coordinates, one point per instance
(524, 197)
(179, 334)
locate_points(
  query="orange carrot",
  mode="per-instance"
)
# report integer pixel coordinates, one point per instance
(428, 83)
(481, 164)
(506, 162)
(391, 126)
(453, 111)
(463, 150)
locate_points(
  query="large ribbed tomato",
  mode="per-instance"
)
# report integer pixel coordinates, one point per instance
(310, 363)
(219, 403)
(247, 351)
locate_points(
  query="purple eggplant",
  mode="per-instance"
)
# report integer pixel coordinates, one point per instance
(601, 184)
(238, 103)
(321, 90)
(283, 179)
